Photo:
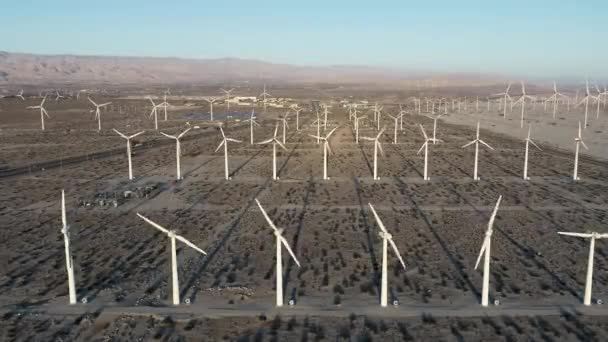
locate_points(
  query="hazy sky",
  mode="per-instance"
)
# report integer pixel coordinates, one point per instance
(534, 38)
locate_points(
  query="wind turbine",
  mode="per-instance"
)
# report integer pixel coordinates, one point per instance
(274, 142)
(178, 149)
(579, 141)
(263, 95)
(224, 142)
(172, 237)
(396, 118)
(425, 146)
(251, 123)
(435, 128)
(285, 125)
(20, 95)
(281, 241)
(227, 98)
(154, 112)
(485, 251)
(42, 111)
(98, 111)
(554, 98)
(386, 239)
(211, 101)
(164, 104)
(326, 150)
(506, 96)
(528, 142)
(357, 127)
(318, 122)
(58, 96)
(477, 141)
(586, 101)
(377, 146)
(297, 111)
(598, 100)
(128, 138)
(377, 114)
(326, 111)
(69, 262)
(402, 113)
(522, 100)
(589, 280)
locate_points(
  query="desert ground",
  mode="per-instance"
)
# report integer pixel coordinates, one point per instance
(122, 264)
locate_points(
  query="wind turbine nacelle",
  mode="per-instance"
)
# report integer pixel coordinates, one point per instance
(292, 302)
(396, 302)
(599, 302)
(496, 302)
(187, 301)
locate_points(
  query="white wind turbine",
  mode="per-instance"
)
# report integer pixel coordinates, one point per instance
(20, 95)
(154, 112)
(377, 114)
(297, 111)
(69, 262)
(477, 141)
(377, 146)
(98, 111)
(586, 101)
(485, 251)
(42, 111)
(178, 149)
(325, 111)
(522, 100)
(598, 100)
(434, 140)
(281, 241)
(396, 118)
(357, 127)
(227, 94)
(164, 104)
(528, 142)
(326, 150)
(318, 122)
(224, 143)
(274, 141)
(58, 96)
(402, 113)
(252, 122)
(506, 96)
(554, 98)
(579, 141)
(589, 280)
(285, 126)
(263, 95)
(172, 237)
(425, 146)
(128, 138)
(211, 101)
(386, 239)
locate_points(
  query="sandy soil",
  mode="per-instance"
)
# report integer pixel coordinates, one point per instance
(438, 226)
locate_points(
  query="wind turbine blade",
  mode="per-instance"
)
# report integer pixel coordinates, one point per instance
(483, 249)
(484, 143)
(266, 216)
(584, 145)
(234, 140)
(122, 135)
(153, 224)
(220, 145)
(284, 241)
(469, 144)
(105, 104)
(168, 136)
(153, 104)
(280, 144)
(367, 138)
(582, 235)
(276, 129)
(330, 133)
(93, 102)
(424, 133)
(183, 133)
(45, 113)
(63, 215)
(397, 252)
(378, 220)
(533, 143)
(380, 148)
(493, 217)
(136, 134)
(314, 136)
(265, 142)
(222, 131)
(184, 240)
(422, 147)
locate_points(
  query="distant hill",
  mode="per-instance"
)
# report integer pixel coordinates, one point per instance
(20, 68)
